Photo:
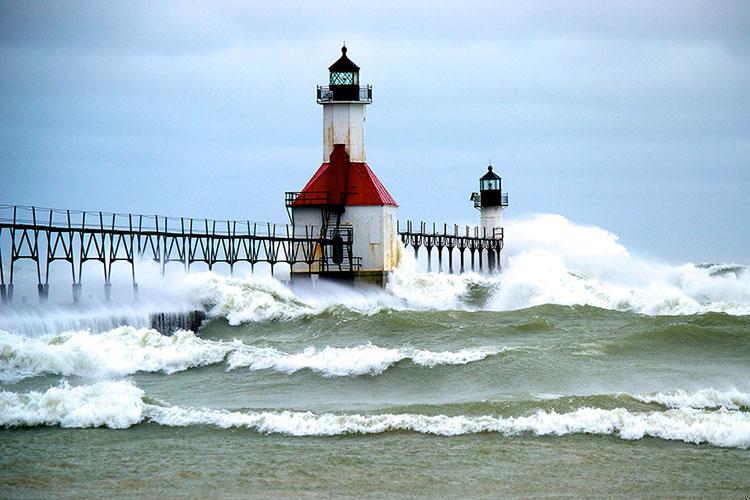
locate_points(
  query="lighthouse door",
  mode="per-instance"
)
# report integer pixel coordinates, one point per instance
(337, 249)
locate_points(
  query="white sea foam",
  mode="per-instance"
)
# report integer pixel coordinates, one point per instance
(350, 361)
(431, 291)
(731, 399)
(47, 319)
(262, 298)
(551, 260)
(126, 350)
(720, 428)
(121, 351)
(547, 260)
(120, 405)
(117, 405)
(239, 300)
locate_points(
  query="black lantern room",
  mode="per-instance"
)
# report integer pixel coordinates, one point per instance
(344, 79)
(490, 185)
(343, 83)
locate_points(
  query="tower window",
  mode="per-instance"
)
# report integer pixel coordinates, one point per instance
(489, 185)
(344, 78)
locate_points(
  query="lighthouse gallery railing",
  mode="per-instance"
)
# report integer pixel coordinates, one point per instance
(326, 94)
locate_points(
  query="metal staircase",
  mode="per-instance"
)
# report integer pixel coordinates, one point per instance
(338, 256)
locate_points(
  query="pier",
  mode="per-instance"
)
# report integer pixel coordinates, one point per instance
(46, 235)
(74, 237)
(477, 241)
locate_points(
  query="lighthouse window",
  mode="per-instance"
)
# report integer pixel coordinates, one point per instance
(344, 78)
(490, 185)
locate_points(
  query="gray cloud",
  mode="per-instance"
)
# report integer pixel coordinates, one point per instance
(634, 116)
(189, 25)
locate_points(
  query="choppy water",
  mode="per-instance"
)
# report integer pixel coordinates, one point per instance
(581, 371)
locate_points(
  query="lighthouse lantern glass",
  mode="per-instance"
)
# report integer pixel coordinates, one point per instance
(489, 185)
(344, 78)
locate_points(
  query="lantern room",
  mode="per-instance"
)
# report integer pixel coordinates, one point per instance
(490, 186)
(344, 79)
(343, 83)
(344, 71)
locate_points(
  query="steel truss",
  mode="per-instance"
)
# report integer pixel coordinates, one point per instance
(476, 240)
(77, 237)
(45, 235)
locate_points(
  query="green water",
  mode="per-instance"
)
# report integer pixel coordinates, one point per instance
(552, 359)
(152, 460)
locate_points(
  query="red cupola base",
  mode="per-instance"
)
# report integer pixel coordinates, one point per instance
(339, 182)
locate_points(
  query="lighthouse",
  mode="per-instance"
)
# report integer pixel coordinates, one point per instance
(344, 198)
(490, 201)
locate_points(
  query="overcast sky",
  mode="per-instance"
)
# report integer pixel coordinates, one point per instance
(633, 116)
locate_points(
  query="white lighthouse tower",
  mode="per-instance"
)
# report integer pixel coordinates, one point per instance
(344, 104)
(344, 198)
(490, 200)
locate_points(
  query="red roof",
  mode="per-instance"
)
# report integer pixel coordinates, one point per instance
(341, 182)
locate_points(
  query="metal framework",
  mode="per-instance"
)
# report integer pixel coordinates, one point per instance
(358, 94)
(477, 199)
(45, 235)
(476, 240)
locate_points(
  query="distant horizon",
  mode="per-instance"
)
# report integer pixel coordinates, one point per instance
(635, 120)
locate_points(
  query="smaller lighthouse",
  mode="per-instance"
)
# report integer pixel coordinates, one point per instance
(490, 201)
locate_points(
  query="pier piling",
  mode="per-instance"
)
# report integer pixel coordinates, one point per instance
(75, 238)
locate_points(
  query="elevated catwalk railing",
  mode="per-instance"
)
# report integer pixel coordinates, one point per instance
(45, 235)
(483, 246)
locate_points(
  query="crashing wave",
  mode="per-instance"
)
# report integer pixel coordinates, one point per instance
(726, 429)
(554, 261)
(127, 350)
(350, 361)
(550, 260)
(120, 405)
(255, 298)
(731, 399)
(117, 405)
(121, 351)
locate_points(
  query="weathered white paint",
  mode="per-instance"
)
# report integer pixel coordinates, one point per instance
(491, 218)
(311, 217)
(344, 123)
(375, 238)
(307, 216)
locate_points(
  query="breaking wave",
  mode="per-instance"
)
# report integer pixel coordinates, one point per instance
(350, 361)
(704, 398)
(127, 350)
(121, 351)
(726, 429)
(548, 260)
(119, 405)
(255, 298)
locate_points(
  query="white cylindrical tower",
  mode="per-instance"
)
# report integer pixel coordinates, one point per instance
(344, 104)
